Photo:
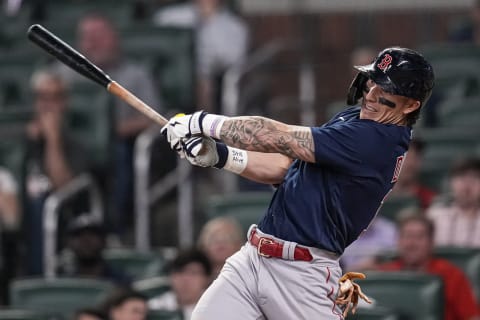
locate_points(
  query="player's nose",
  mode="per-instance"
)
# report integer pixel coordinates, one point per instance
(372, 94)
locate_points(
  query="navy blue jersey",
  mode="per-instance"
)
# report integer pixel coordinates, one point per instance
(327, 204)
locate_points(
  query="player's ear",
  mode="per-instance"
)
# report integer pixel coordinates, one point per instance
(411, 106)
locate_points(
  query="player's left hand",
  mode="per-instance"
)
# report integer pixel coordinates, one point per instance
(349, 292)
(201, 151)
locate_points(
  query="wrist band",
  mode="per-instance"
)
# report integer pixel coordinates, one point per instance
(231, 159)
(212, 125)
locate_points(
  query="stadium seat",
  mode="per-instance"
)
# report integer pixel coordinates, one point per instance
(246, 207)
(410, 295)
(434, 176)
(373, 313)
(120, 12)
(18, 314)
(468, 259)
(454, 106)
(152, 287)
(164, 315)
(169, 53)
(444, 144)
(13, 154)
(60, 296)
(136, 264)
(441, 51)
(90, 122)
(394, 204)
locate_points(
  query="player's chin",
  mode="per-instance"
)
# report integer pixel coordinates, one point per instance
(367, 114)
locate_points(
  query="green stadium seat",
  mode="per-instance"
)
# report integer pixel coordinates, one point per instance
(452, 72)
(434, 176)
(443, 51)
(245, 207)
(18, 314)
(169, 54)
(60, 296)
(394, 204)
(13, 154)
(373, 313)
(152, 287)
(410, 295)
(444, 144)
(467, 259)
(136, 264)
(164, 315)
(454, 106)
(120, 12)
(90, 122)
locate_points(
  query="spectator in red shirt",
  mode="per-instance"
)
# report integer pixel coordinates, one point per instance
(415, 248)
(408, 183)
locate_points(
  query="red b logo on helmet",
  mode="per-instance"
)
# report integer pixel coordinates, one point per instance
(386, 61)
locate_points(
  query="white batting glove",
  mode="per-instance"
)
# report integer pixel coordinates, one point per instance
(199, 123)
(201, 151)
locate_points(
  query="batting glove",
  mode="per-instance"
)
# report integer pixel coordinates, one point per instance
(201, 151)
(186, 126)
(349, 292)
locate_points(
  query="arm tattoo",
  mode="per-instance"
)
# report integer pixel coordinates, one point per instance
(265, 135)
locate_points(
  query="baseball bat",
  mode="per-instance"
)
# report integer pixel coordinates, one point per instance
(76, 61)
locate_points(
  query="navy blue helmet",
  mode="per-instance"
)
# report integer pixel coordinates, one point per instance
(398, 71)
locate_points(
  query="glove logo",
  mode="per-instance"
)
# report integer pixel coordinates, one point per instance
(386, 61)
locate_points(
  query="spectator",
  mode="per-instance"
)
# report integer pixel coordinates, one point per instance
(415, 248)
(89, 314)
(468, 29)
(408, 183)
(458, 221)
(86, 240)
(362, 254)
(98, 40)
(9, 207)
(215, 26)
(361, 56)
(125, 304)
(54, 158)
(10, 216)
(219, 239)
(190, 274)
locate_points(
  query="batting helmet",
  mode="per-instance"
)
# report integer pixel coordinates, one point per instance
(398, 71)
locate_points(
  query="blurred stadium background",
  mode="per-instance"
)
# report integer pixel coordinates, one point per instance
(297, 70)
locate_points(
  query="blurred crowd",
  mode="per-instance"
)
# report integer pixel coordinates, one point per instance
(445, 214)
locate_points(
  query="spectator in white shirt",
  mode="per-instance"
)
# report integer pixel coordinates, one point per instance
(190, 276)
(221, 38)
(457, 220)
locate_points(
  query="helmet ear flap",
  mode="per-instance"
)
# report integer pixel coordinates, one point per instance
(355, 91)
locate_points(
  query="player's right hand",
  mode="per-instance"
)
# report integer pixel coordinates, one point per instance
(200, 151)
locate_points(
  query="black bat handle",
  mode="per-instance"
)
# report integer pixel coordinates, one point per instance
(66, 54)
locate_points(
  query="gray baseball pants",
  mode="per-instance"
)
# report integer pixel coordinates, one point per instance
(253, 287)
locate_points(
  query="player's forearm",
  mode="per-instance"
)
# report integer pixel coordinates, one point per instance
(269, 136)
(267, 168)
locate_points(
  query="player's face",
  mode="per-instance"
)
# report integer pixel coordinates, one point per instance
(383, 107)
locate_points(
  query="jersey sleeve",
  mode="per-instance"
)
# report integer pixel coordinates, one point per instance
(346, 145)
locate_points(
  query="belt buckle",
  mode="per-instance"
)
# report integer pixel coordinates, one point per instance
(261, 242)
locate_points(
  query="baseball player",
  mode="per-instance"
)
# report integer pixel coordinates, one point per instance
(331, 181)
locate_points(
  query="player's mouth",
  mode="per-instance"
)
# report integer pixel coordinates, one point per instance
(368, 108)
